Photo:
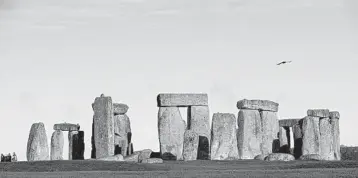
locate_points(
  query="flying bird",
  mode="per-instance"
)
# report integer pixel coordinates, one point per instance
(284, 62)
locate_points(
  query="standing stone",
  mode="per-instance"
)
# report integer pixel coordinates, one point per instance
(284, 135)
(223, 138)
(199, 122)
(37, 146)
(297, 136)
(311, 135)
(103, 126)
(57, 142)
(249, 133)
(122, 131)
(326, 139)
(183, 99)
(130, 149)
(334, 116)
(270, 130)
(191, 144)
(76, 145)
(93, 144)
(171, 128)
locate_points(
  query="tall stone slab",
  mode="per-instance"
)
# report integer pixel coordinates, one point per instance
(284, 135)
(37, 145)
(334, 116)
(171, 128)
(57, 142)
(76, 145)
(191, 144)
(223, 138)
(270, 129)
(199, 122)
(249, 133)
(103, 126)
(326, 139)
(297, 136)
(311, 135)
(122, 132)
(182, 99)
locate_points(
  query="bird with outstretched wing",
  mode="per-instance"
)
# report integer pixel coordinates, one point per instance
(284, 62)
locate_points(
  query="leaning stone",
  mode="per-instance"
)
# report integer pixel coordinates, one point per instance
(336, 135)
(334, 114)
(260, 157)
(297, 137)
(76, 145)
(132, 158)
(326, 139)
(311, 135)
(57, 142)
(318, 112)
(264, 105)
(66, 127)
(103, 127)
(199, 122)
(176, 99)
(171, 128)
(119, 108)
(152, 161)
(191, 143)
(249, 133)
(270, 130)
(284, 136)
(288, 122)
(311, 157)
(37, 146)
(280, 157)
(118, 157)
(223, 138)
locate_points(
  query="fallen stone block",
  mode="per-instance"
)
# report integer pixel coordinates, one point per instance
(66, 127)
(171, 128)
(289, 122)
(57, 142)
(310, 157)
(318, 112)
(263, 105)
(120, 108)
(260, 157)
(37, 146)
(311, 135)
(191, 144)
(177, 100)
(118, 157)
(280, 157)
(144, 154)
(152, 161)
(223, 138)
(132, 158)
(326, 139)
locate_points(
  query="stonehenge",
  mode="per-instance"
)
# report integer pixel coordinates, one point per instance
(37, 146)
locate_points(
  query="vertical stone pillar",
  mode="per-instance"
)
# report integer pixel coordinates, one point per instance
(311, 135)
(297, 136)
(57, 142)
(103, 126)
(76, 145)
(191, 144)
(335, 116)
(326, 139)
(122, 132)
(37, 145)
(285, 142)
(270, 130)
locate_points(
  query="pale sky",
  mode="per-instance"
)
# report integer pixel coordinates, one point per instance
(57, 56)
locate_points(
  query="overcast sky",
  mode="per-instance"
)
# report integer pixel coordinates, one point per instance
(57, 56)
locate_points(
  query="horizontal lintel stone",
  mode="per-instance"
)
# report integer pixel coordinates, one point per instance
(182, 100)
(318, 112)
(264, 105)
(66, 127)
(288, 122)
(334, 114)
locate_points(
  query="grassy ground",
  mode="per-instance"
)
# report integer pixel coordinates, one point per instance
(243, 168)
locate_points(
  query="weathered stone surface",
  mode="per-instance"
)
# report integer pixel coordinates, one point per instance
(249, 133)
(66, 127)
(171, 128)
(118, 157)
(289, 122)
(311, 135)
(191, 144)
(311, 157)
(334, 114)
(336, 135)
(284, 136)
(280, 157)
(122, 131)
(270, 130)
(260, 157)
(103, 126)
(120, 108)
(297, 136)
(263, 105)
(57, 142)
(223, 138)
(76, 145)
(132, 158)
(130, 149)
(318, 112)
(37, 146)
(184, 99)
(152, 161)
(199, 122)
(326, 139)
(143, 154)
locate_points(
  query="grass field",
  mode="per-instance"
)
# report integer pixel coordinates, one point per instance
(242, 168)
